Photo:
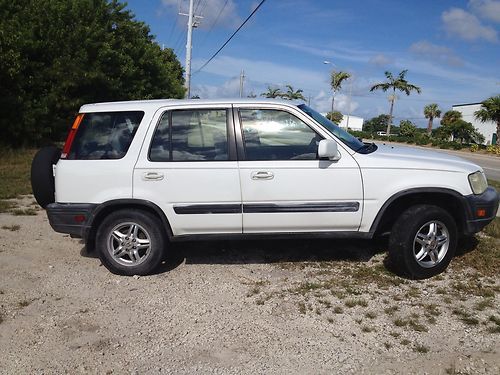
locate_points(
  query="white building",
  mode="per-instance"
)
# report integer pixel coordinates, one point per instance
(352, 122)
(488, 129)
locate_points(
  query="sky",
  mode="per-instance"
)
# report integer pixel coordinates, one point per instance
(451, 49)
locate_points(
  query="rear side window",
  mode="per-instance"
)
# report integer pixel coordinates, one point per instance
(191, 135)
(105, 135)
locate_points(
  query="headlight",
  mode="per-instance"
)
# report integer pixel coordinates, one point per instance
(478, 183)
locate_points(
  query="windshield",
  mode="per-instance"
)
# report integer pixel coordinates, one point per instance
(351, 141)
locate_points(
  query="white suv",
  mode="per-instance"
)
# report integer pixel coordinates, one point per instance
(134, 176)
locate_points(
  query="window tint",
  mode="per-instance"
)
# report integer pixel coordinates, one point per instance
(277, 135)
(105, 135)
(194, 135)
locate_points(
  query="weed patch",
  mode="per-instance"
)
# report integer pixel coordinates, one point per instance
(12, 228)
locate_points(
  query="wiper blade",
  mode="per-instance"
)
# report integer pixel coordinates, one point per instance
(367, 147)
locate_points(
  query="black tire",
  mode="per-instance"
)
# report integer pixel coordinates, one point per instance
(149, 228)
(405, 247)
(42, 177)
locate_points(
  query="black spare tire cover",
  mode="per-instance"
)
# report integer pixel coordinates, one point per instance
(42, 177)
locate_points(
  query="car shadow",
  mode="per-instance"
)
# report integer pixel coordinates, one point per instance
(279, 251)
(275, 251)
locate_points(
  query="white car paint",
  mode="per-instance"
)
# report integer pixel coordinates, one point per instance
(369, 179)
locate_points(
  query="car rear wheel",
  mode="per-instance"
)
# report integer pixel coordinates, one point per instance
(130, 243)
(42, 175)
(423, 241)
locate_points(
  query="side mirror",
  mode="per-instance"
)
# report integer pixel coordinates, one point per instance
(328, 149)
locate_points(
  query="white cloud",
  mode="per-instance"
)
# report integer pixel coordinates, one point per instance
(380, 60)
(211, 10)
(458, 22)
(434, 52)
(487, 9)
(264, 72)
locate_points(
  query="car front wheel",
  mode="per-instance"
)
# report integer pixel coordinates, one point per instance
(423, 241)
(130, 242)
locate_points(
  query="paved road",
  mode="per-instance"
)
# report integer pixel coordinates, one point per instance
(490, 164)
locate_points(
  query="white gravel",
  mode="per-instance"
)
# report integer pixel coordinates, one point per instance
(225, 307)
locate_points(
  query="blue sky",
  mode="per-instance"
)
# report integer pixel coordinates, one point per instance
(450, 48)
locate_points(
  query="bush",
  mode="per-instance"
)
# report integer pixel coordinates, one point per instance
(493, 149)
(457, 146)
(474, 148)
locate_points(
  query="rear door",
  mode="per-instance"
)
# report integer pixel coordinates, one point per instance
(285, 187)
(188, 168)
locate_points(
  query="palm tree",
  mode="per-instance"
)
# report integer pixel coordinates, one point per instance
(292, 94)
(272, 92)
(399, 83)
(336, 79)
(431, 111)
(490, 111)
(451, 117)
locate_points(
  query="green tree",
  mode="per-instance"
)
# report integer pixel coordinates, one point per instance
(292, 94)
(56, 55)
(376, 124)
(450, 117)
(490, 111)
(458, 130)
(392, 84)
(272, 92)
(407, 128)
(335, 117)
(336, 80)
(431, 111)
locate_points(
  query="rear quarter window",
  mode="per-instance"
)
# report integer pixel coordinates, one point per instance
(105, 135)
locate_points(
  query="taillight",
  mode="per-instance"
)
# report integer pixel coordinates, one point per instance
(71, 136)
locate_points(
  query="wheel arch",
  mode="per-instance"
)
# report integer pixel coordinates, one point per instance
(104, 209)
(448, 199)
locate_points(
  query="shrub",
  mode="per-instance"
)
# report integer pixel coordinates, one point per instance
(474, 148)
(493, 149)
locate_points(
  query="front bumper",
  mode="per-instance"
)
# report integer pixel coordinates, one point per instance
(486, 202)
(70, 218)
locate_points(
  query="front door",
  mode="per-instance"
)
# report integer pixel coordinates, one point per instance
(285, 187)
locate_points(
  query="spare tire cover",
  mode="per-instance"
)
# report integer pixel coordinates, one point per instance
(42, 177)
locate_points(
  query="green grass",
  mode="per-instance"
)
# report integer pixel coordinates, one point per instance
(495, 184)
(15, 166)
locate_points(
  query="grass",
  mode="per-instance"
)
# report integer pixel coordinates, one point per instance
(421, 348)
(466, 317)
(495, 184)
(15, 166)
(493, 228)
(23, 212)
(12, 228)
(356, 302)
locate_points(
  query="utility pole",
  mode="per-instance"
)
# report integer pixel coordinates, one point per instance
(191, 24)
(242, 79)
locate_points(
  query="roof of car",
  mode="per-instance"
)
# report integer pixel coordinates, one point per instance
(157, 103)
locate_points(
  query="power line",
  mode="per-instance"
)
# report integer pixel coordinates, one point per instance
(231, 37)
(214, 23)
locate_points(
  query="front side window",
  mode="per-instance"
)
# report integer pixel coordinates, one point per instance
(191, 135)
(105, 135)
(270, 134)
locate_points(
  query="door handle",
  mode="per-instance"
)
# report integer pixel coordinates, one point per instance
(262, 175)
(152, 176)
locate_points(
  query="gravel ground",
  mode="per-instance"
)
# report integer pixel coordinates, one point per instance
(237, 307)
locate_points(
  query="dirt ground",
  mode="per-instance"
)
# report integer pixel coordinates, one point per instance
(285, 307)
